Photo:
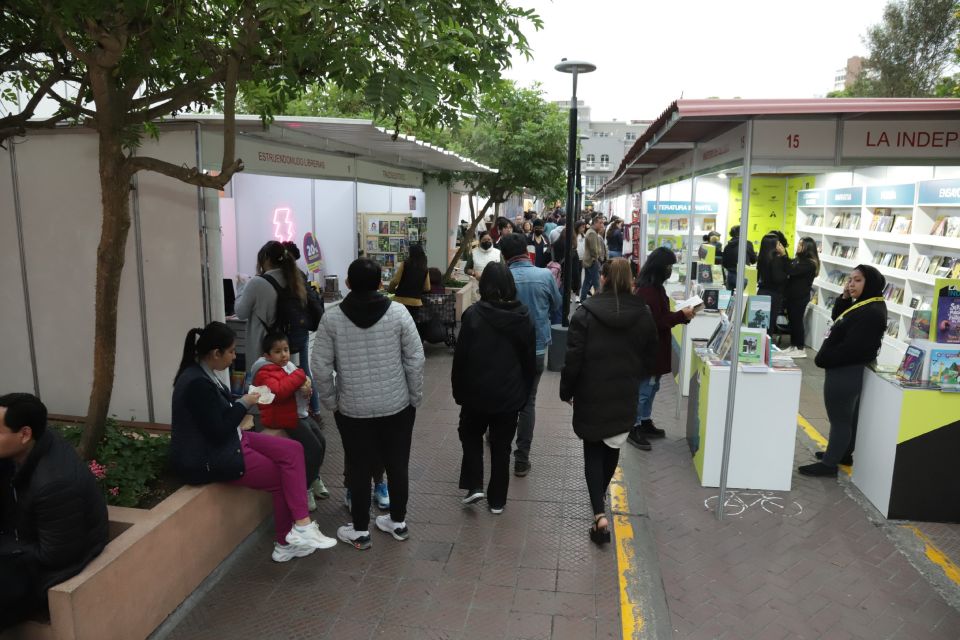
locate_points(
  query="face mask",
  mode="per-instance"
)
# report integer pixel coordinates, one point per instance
(486, 245)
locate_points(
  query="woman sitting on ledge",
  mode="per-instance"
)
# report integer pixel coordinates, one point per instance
(207, 444)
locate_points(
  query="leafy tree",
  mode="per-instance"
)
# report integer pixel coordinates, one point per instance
(910, 49)
(131, 62)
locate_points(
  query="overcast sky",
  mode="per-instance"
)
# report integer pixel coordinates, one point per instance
(649, 52)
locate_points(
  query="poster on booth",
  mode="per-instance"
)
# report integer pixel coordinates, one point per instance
(772, 206)
(311, 253)
(945, 325)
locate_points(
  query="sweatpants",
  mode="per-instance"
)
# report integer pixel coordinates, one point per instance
(18, 600)
(841, 395)
(310, 437)
(599, 464)
(367, 441)
(502, 426)
(528, 416)
(276, 465)
(795, 311)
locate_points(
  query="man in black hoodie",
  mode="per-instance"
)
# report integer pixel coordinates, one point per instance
(731, 256)
(53, 518)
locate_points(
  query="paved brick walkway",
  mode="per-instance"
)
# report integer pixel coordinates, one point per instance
(464, 574)
(825, 572)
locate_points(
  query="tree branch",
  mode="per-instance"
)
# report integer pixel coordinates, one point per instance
(229, 112)
(64, 37)
(190, 175)
(68, 108)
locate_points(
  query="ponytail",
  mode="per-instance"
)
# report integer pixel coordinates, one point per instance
(281, 259)
(200, 342)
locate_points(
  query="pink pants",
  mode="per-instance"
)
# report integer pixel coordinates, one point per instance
(276, 465)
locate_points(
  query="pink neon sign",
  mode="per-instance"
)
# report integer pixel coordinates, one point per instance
(282, 224)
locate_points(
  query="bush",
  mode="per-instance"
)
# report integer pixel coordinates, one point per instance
(454, 283)
(128, 460)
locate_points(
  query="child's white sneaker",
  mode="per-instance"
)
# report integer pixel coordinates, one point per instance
(284, 552)
(359, 539)
(398, 530)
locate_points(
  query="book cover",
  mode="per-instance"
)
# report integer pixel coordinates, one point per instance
(373, 226)
(704, 274)
(725, 344)
(920, 324)
(384, 227)
(758, 312)
(945, 367)
(724, 300)
(752, 346)
(711, 299)
(946, 303)
(716, 337)
(912, 364)
(394, 227)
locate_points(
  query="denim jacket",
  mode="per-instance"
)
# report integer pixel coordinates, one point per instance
(538, 292)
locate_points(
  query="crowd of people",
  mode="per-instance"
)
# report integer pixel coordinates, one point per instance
(366, 366)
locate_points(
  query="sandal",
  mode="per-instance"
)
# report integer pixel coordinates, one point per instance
(600, 535)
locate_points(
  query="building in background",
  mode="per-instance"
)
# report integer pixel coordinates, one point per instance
(603, 143)
(846, 76)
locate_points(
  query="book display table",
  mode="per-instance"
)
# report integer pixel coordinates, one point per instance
(908, 440)
(701, 327)
(764, 425)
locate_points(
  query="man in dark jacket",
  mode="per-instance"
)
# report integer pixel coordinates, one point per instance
(731, 256)
(53, 518)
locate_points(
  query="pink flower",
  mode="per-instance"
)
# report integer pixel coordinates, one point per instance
(98, 470)
(114, 491)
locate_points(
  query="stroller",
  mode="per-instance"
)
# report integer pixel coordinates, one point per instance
(437, 318)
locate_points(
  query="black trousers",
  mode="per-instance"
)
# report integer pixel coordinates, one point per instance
(473, 425)
(795, 311)
(17, 600)
(599, 465)
(308, 434)
(366, 443)
(841, 395)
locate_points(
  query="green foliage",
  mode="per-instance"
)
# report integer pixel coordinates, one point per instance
(910, 49)
(129, 461)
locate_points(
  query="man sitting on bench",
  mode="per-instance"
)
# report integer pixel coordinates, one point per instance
(53, 518)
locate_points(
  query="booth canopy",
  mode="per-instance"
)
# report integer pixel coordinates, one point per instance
(824, 132)
(359, 138)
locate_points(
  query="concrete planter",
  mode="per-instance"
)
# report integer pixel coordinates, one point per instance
(159, 557)
(464, 296)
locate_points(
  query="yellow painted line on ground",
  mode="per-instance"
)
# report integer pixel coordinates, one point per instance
(631, 617)
(818, 438)
(936, 556)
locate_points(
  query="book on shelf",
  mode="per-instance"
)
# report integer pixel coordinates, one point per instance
(902, 224)
(946, 303)
(704, 273)
(711, 299)
(912, 364)
(723, 301)
(758, 312)
(384, 227)
(893, 327)
(945, 367)
(752, 345)
(952, 227)
(718, 334)
(922, 263)
(373, 226)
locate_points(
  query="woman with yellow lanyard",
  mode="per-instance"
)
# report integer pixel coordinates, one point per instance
(859, 322)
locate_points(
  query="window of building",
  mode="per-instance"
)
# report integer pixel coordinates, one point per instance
(630, 135)
(604, 161)
(591, 160)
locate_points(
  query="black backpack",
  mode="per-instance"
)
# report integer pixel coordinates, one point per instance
(292, 317)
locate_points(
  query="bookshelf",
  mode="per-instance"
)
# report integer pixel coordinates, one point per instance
(386, 238)
(909, 232)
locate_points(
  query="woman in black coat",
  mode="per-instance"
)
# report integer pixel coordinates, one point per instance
(494, 364)
(859, 322)
(772, 266)
(801, 273)
(611, 345)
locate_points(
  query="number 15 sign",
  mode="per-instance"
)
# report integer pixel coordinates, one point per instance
(801, 139)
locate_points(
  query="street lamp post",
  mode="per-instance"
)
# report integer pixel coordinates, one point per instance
(574, 67)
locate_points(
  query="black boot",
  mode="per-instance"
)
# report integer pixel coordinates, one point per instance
(647, 429)
(847, 459)
(636, 439)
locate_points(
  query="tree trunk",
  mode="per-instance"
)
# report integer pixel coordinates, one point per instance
(115, 198)
(472, 230)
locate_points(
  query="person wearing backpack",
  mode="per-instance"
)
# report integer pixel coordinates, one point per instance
(300, 351)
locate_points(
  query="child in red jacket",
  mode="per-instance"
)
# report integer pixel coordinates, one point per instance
(291, 389)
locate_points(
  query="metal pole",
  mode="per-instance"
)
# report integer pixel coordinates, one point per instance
(688, 290)
(656, 229)
(571, 177)
(738, 301)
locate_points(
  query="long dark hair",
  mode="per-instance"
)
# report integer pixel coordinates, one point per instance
(657, 268)
(497, 283)
(614, 226)
(281, 259)
(417, 261)
(200, 342)
(767, 253)
(808, 251)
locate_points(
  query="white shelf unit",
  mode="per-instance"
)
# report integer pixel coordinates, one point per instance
(818, 212)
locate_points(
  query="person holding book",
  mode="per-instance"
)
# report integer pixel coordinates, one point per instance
(853, 341)
(800, 275)
(656, 270)
(772, 267)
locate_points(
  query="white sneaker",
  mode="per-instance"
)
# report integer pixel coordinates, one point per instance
(309, 536)
(358, 539)
(398, 530)
(284, 552)
(797, 353)
(311, 501)
(319, 489)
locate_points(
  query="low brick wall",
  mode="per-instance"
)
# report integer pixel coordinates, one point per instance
(151, 566)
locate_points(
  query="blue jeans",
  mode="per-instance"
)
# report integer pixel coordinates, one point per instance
(614, 254)
(302, 359)
(591, 278)
(648, 391)
(528, 416)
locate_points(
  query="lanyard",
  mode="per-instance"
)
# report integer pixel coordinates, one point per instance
(858, 305)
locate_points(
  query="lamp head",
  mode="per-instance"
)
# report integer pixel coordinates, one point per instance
(570, 66)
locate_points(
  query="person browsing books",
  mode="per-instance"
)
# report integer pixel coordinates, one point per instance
(859, 322)
(772, 268)
(800, 275)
